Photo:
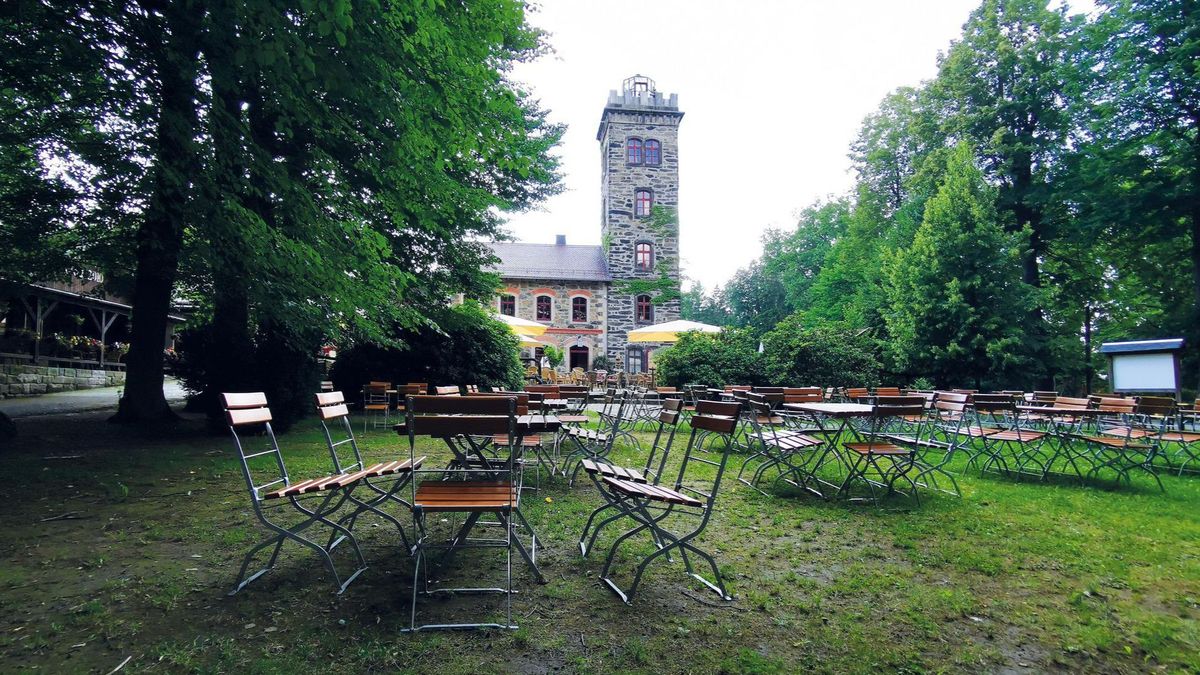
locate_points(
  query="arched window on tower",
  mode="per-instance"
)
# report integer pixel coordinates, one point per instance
(643, 309)
(543, 308)
(643, 203)
(643, 256)
(633, 151)
(652, 152)
(579, 309)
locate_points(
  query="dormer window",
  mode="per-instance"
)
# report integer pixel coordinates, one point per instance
(633, 151)
(652, 152)
(643, 256)
(643, 202)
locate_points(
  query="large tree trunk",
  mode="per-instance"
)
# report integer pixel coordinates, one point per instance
(1195, 214)
(160, 235)
(230, 351)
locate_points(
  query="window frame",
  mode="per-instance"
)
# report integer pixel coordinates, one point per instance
(637, 213)
(576, 299)
(637, 263)
(638, 304)
(641, 151)
(511, 297)
(646, 152)
(537, 308)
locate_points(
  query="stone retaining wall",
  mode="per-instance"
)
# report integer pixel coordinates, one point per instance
(22, 380)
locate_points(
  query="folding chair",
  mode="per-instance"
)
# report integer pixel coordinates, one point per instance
(654, 508)
(377, 403)
(1162, 417)
(783, 449)
(472, 491)
(1008, 438)
(594, 444)
(1122, 447)
(887, 391)
(651, 472)
(448, 390)
(318, 500)
(383, 479)
(876, 459)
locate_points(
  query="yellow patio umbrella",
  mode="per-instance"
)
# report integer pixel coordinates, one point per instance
(527, 341)
(669, 331)
(522, 326)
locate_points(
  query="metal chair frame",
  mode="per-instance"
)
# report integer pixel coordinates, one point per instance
(779, 444)
(328, 492)
(651, 472)
(331, 409)
(650, 507)
(875, 458)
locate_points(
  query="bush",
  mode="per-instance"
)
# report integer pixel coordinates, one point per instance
(828, 355)
(286, 372)
(714, 359)
(466, 346)
(602, 363)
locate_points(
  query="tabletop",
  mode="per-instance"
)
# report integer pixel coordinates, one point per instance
(833, 409)
(1064, 411)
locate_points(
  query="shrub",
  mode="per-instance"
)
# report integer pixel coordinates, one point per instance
(463, 345)
(827, 355)
(602, 363)
(714, 359)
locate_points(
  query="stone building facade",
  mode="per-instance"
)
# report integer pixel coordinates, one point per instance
(622, 280)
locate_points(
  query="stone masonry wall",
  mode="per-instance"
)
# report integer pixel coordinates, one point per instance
(24, 380)
(621, 230)
(562, 331)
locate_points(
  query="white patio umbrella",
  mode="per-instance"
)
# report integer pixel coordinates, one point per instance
(522, 326)
(669, 331)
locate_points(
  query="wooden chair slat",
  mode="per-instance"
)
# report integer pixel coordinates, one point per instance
(237, 401)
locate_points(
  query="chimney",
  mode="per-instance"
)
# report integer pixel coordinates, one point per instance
(560, 240)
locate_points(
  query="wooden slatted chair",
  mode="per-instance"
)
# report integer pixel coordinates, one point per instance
(447, 390)
(887, 391)
(1012, 447)
(1123, 446)
(875, 458)
(857, 394)
(651, 472)
(1164, 414)
(676, 515)
(317, 500)
(383, 480)
(377, 405)
(470, 491)
(786, 451)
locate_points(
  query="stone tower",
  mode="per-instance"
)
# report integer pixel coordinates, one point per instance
(639, 154)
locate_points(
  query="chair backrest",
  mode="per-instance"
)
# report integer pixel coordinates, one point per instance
(660, 448)
(803, 395)
(245, 412)
(1045, 396)
(887, 409)
(1156, 406)
(332, 410)
(1071, 402)
(419, 387)
(551, 390)
(949, 407)
(481, 414)
(887, 391)
(447, 390)
(855, 393)
(572, 390)
(380, 383)
(522, 398)
(375, 390)
(719, 419)
(326, 385)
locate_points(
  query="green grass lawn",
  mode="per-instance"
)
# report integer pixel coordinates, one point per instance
(1014, 577)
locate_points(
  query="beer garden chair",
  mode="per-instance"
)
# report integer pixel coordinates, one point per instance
(318, 501)
(651, 472)
(468, 491)
(383, 479)
(676, 515)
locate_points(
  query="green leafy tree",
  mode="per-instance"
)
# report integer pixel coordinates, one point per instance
(957, 310)
(798, 353)
(554, 356)
(714, 359)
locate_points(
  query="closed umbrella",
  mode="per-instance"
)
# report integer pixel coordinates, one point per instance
(522, 326)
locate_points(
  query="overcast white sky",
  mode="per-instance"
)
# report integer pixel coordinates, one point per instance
(773, 92)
